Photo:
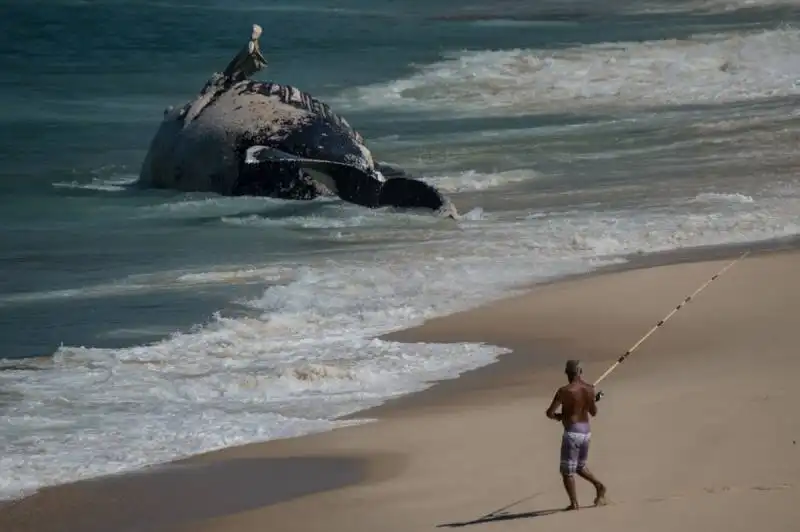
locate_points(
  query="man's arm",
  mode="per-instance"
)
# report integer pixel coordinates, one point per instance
(551, 410)
(592, 400)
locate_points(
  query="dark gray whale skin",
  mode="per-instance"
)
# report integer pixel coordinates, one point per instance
(258, 138)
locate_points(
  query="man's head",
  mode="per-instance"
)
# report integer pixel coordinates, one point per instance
(573, 369)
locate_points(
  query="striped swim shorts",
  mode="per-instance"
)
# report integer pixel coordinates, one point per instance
(574, 452)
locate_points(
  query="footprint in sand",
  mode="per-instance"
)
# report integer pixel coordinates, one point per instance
(714, 490)
(772, 488)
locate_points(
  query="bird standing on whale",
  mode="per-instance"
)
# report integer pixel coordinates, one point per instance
(246, 137)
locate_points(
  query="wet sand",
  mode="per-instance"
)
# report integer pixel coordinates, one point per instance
(161, 496)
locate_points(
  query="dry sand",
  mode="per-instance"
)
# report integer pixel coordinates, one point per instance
(697, 430)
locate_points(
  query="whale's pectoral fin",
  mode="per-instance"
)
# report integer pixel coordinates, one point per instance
(390, 171)
(406, 192)
(363, 188)
(274, 178)
(346, 181)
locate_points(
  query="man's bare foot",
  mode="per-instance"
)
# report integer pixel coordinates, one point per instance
(600, 500)
(572, 507)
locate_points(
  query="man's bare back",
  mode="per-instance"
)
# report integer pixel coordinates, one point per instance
(577, 402)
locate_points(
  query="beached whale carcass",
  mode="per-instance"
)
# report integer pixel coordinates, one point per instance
(246, 137)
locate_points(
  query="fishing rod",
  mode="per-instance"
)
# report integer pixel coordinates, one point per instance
(501, 512)
(630, 351)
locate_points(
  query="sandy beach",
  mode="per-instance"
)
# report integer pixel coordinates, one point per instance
(697, 430)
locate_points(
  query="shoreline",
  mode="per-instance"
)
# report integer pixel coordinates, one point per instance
(161, 493)
(521, 373)
(479, 452)
(551, 354)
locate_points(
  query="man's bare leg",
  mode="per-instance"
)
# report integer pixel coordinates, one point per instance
(569, 485)
(600, 499)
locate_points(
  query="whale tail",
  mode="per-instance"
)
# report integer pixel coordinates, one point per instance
(407, 192)
(358, 186)
(401, 189)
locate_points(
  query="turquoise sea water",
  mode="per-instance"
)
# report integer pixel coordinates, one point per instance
(140, 326)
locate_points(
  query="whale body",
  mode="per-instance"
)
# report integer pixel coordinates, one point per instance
(240, 136)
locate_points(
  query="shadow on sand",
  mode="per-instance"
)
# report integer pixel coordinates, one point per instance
(504, 516)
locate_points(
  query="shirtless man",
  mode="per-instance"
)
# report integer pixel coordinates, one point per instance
(577, 400)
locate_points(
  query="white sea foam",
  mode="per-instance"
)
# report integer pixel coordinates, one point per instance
(708, 6)
(307, 351)
(316, 221)
(208, 206)
(156, 282)
(710, 197)
(514, 23)
(86, 292)
(113, 184)
(475, 181)
(711, 68)
(227, 275)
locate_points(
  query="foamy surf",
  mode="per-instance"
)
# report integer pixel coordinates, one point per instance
(478, 181)
(705, 6)
(711, 197)
(209, 205)
(706, 69)
(155, 282)
(115, 184)
(308, 351)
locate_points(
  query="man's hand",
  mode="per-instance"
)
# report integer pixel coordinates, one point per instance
(599, 395)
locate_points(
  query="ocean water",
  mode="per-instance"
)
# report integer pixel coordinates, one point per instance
(142, 326)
